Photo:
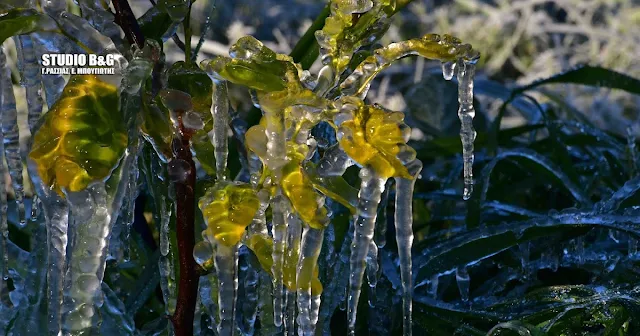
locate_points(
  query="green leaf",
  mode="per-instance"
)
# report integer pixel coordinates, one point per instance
(18, 21)
(154, 24)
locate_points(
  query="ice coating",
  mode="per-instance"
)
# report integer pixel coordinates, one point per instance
(11, 135)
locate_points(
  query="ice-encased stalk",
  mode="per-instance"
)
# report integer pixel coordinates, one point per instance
(31, 79)
(11, 135)
(279, 229)
(220, 114)
(307, 307)
(371, 189)
(404, 237)
(466, 113)
(226, 263)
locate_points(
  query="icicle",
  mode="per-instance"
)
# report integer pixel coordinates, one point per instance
(309, 253)
(294, 233)
(167, 269)
(334, 293)
(91, 38)
(632, 154)
(209, 297)
(433, 286)
(250, 303)
(466, 113)
(226, 263)
(4, 234)
(371, 189)
(56, 214)
(404, 237)
(91, 225)
(372, 271)
(265, 306)
(633, 248)
(11, 135)
(448, 70)
(53, 84)
(279, 234)
(31, 79)
(462, 279)
(220, 113)
(99, 18)
(290, 314)
(53, 7)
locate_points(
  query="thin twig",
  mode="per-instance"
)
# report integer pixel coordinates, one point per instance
(207, 26)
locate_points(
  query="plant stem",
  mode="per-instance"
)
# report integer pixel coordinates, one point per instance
(183, 316)
(127, 21)
(186, 24)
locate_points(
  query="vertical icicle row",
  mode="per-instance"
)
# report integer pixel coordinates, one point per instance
(371, 189)
(307, 307)
(11, 135)
(466, 113)
(404, 237)
(226, 263)
(220, 114)
(278, 214)
(31, 79)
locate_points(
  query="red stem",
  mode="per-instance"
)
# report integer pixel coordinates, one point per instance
(183, 316)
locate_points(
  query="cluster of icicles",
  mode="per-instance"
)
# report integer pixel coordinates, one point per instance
(79, 224)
